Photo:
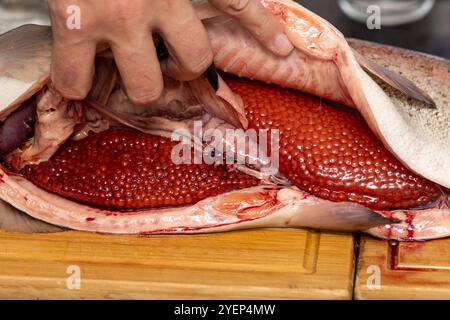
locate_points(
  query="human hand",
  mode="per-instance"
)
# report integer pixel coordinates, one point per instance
(127, 26)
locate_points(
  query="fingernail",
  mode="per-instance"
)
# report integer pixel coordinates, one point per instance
(282, 45)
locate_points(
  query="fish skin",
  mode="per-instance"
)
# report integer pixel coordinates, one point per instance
(13, 220)
(396, 81)
(25, 59)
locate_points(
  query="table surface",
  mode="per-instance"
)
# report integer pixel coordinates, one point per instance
(430, 35)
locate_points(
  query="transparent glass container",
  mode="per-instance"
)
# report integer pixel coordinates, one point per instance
(393, 12)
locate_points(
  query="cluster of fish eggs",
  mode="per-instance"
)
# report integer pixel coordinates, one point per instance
(331, 152)
(125, 170)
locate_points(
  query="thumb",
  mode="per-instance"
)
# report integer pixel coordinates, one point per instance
(264, 26)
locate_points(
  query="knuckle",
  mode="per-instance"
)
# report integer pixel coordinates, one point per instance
(142, 100)
(146, 97)
(237, 6)
(124, 24)
(68, 86)
(70, 93)
(172, 3)
(124, 12)
(194, 69)
(57, 9)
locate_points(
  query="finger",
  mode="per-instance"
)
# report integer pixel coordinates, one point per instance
(187, 42)
(139, 68)
(73, 55)
(252, 15)
(73, 69)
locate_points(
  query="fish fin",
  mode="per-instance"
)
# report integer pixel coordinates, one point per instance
(270, 179)
(151, 125)
(339, 216)
(212, 76)
(395, 80)
(105, 79)
(222, 103)
(13, 220)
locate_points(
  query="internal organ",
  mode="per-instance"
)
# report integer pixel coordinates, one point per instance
(123, 169)
(330, 152)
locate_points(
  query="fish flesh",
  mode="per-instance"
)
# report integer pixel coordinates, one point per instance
(344, 176)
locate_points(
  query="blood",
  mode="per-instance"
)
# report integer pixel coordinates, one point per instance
(393, 254)
(331, 152)
(410, 229)
(393, 257)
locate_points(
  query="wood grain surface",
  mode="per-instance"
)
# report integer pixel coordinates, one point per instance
(257, 264)
(409, 270)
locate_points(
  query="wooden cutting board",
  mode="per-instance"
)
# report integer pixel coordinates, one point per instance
(265, 264)
(414, 270)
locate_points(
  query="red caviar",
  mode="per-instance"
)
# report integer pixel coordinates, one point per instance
(124, 169)
(331, 152)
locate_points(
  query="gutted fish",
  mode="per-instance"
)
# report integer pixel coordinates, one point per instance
(107, 166)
